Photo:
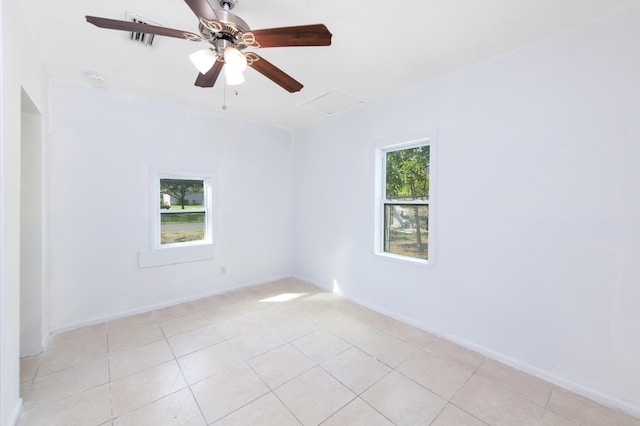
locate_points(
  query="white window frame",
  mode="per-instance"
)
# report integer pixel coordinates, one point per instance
(207, 201)
(381, 148)
(190, 251)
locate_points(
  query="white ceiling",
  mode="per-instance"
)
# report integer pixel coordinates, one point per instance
(379, 48)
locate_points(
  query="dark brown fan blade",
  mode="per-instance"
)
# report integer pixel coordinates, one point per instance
(115, 24)
(202, 9)
(273, 73)
(209, 79)
(303, 35)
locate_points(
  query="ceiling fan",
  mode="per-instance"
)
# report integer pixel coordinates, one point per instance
(229, 36)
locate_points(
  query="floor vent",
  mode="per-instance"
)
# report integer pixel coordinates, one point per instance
(142, 38)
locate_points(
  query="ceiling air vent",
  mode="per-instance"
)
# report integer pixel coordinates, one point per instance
(142, 38)
(332, 102)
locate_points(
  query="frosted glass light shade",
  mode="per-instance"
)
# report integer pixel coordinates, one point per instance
(235, 62)
(203, 60)
(234, 59)
(233, 78)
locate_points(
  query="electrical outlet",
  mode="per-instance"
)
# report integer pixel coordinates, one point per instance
(223, 269)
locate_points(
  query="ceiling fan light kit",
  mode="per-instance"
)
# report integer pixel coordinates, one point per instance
(229, 36)
(235, 63)
(203, 59)
(233, 78)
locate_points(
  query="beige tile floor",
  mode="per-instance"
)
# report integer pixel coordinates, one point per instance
(284, 353)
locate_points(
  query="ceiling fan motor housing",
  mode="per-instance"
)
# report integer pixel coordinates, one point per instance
(225, 32)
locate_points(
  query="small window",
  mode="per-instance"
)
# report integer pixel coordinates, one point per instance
(184, 211)
(404, 201)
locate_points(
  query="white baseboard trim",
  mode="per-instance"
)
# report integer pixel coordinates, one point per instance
(587, 392)
(153, 307)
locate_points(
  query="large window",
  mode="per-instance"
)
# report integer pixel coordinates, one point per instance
(403, 222)
(183, 211)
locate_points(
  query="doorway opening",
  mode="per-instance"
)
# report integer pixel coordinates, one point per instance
(32, 329)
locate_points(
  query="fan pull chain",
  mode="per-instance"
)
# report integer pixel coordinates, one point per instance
(224, 100)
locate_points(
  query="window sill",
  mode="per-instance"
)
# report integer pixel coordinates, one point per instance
(173, 255)
(420, 263)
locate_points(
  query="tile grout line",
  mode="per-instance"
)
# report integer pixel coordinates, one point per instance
(184, 377)
(341, 408)
(357, 395)
(475, 372)
(439, 413)
(156, 365)
(109, 372)
(272, 391)
(467, 412)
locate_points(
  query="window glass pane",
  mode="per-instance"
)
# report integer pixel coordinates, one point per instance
(181, 194)
(182, 210)
(407, 174)
(406, 230)
(177, 227)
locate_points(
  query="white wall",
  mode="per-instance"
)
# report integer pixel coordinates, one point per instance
(21, 70)
(102, 148)
(538, 207)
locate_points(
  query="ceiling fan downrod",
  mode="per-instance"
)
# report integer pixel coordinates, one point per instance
(227, 5)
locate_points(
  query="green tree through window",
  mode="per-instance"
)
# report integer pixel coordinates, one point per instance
(183, 211)
(180, 188)
(406, 201)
